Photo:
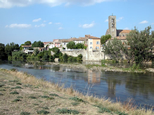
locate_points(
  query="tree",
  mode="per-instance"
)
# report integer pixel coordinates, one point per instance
(57, 52)
(71, 45)
(2, 52)
(36, 51)
(11, 47)
(141, 45)
(105, 38)
(38, 44)
(65, 58)
(27, 43)
(79, 46)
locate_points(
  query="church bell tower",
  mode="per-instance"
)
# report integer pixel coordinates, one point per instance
(112, 26)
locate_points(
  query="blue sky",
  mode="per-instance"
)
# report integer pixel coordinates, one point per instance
(45, 20)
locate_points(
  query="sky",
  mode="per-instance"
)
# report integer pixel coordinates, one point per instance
(45, 20)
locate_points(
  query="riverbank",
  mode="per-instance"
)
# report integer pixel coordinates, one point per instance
(96, 67)
(22, 93)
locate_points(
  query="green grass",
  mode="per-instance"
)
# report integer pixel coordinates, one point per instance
(53, 94)
(13, 81)
(24, 113)
(47, 97)
(16, 100)
(65, 111)
(1, 85)
(77, 99)
(92, 65)
(43, 112)
(75, 103)
(19, 83)
(19, 97)
(17, 87)
(2, 90)
(45, 108)
(1, 94)
(15, 92)
(32, 97)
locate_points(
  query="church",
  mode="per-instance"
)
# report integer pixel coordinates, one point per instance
(113, 31)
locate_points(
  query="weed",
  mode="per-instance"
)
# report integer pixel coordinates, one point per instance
(51, 98)
(45, 96)
(24, 113)
(53, 94)
(75, 103)
(19, 83)
(36, 104)
(43, 112)
(28, 85)
(76, 99)
(1, 85)
(2, 90)
(20, 97)
(13, 69)
(17, 87)
(15, 92)
(120, 113)
(32, 97)
(16, 100)
(1, 94)
(64, 111)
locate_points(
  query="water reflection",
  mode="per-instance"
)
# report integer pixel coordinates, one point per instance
(93, 77)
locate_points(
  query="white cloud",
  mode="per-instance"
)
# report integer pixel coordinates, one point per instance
(36, 20)
(119, 19)
(57, 23)
(60, 28)
(152, 24)
(126, 28)
(106, 20)
(41, 25)
(50, 22)
(144, 22)
(18, 26)
(87, 25)
(52, 3)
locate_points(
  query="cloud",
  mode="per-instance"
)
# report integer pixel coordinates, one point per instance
(119, 19)
(41, 25)
(126, 28)
(18, 26)
(60, 28)
(52, 3)
(152, 24)
(36, 20)
(87, 25)
(106, 20)
(50, 23)
(144, 22)
(57, 23)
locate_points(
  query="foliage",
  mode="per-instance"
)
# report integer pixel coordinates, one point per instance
(2, 52)
(27, 43)
(57, 52)
(24, 113)
(15, 92)
(79, 46)
(64, 111)
(76, 99)
(105, 38)
(36, 51)
(65, 58)
(11, 47)
(19, 55)
(38, 44)
(71, 45)
(141, 45)
(43, 112)
(16, 100)
(114, 49)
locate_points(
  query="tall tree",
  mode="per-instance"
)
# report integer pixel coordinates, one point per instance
(105, 38)
(11, 47)
(38, 44)
(27, 43)
(2, 52)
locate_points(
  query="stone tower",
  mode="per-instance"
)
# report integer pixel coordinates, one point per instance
(112, 26)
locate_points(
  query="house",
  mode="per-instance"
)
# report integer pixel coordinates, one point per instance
(26, 47)
(64, 43)
(51, 45)
(57, 43)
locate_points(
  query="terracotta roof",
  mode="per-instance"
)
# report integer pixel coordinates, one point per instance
(125, 31)
(46, 43)
(91, 37)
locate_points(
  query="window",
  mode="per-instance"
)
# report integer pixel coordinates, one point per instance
(90, 47)
(123, 35)
(91, 43)
(97, 47)
(97, 42)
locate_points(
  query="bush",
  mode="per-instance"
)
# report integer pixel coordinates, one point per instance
(24, 113)
(15, 92)
(64, 111)
(43, 112)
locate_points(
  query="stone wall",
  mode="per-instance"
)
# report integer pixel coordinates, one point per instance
(87, 56)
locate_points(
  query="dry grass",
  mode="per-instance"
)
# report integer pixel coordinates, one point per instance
(60, 101)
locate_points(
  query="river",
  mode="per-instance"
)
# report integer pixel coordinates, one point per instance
(113, 85)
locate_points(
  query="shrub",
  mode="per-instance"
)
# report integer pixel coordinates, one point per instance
(15, 92)
(16, 100)
(24, 113)
(43, 112)
(64, 111)
(54, 95)
(76, 99)
(13, 69)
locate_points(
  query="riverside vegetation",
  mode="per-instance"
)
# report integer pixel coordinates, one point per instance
(24, 94)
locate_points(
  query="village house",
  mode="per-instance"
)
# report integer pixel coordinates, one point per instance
(57, 43)
(93, 43)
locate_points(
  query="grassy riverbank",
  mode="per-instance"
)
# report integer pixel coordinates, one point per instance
(23, 94)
